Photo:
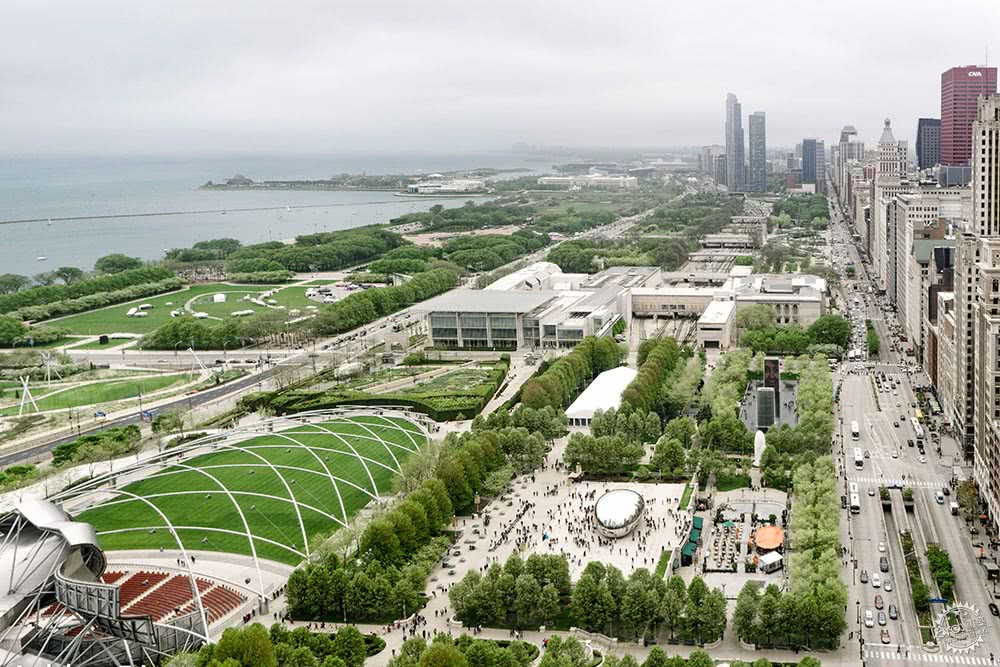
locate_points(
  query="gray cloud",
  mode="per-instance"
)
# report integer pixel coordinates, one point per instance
(310, 76)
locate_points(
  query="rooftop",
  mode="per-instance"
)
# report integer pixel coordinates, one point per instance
(718, 312)
(604, 392)
(487, 301)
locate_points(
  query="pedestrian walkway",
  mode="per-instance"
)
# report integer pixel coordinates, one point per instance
(932, 484)
(912, 654)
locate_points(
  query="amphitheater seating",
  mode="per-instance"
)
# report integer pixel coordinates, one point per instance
(134, 586)
(111, 577)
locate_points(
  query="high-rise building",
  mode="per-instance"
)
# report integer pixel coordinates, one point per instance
(814, 163)
(707, 158)
(986, 167)
(719, 169)
(757, 182)
(928, 142)
(735, 154)
(960, 88)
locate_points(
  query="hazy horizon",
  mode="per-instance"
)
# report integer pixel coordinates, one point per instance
(315, 78)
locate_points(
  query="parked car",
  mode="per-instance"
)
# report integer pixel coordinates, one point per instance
(994, 610)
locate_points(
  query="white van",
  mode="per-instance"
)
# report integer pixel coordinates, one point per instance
(854, 487)
(939, 497)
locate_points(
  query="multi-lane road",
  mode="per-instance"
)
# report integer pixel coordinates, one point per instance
(883, 410)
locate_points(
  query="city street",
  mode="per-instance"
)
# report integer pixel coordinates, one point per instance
(884, 417)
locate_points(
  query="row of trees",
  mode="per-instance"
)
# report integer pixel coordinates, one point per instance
(760, 332)
(97, 300)
(254, 646)
(635, 426)
(872, 339)
(103, 445)
(604, 454)
(788, 446)
(467, 217)
(366, 306)
(548, 421)
(230, 333)
(443, 651)
(519, 594)
(941, 570)
(658, 357)
(605, 601)
(558, 384)
(723, 392)
(324, 251)
(16, 299)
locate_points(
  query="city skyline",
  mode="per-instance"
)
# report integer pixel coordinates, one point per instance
(222, 79)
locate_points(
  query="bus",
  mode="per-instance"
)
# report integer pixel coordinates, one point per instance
(917, 428)
(855, 503)
(855, 431)
(859, 458)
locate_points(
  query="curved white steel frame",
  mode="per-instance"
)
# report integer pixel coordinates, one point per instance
(184, 555)
(218, 442)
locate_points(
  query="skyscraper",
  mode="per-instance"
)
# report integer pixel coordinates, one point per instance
(814, 163)
(960, 88)
(986, 167)
(928, 142)
(758, 153)
(735, 176)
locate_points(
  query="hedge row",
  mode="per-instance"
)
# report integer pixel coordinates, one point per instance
(439, 406)
(99, 300)
(37, 296)
(260, 277)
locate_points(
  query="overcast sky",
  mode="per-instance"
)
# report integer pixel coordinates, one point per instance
(329, 76)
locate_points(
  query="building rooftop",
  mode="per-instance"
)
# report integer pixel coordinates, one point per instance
(530, 277)
(604, 393)
(718, 312)
(487, 301)
(924, 248)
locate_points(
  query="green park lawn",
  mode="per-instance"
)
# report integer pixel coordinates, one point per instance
(100, 392)
(272, 519)
(114, 319)
(96, 344)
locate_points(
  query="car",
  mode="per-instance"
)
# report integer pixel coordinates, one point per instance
(898, 404)
(878, 602)
(881, 547)
(893, 613)
(843, 502)
(945, 490)
(883, 564)
(881, 618)
(922, 458)
(869, 619)
(887, 585)
(868, 454)
(909, 443)
(876, 581)
(895, 454)
(871, 490)
(895, 424)
(885, 636)
(994, 610)
(864, 576)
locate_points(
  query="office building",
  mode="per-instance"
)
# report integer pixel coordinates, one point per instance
(719, 169)
(735, 155)
(814, 163)
(757, 181)
(960, 90)
(986, 167)
(928, 143)
(707, 158)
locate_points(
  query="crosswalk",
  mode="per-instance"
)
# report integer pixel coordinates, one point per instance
(923, 484)
(912, 654)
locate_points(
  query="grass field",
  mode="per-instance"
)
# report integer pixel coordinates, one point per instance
(101, 392)
(114, 319)
(243, 474)
(96, 344)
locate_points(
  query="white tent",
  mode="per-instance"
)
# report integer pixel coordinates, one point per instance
(770, 561)
(604, 393)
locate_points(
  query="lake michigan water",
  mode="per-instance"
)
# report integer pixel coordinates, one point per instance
(73, 187)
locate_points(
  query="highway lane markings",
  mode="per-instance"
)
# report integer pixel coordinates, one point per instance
(883, 653)
(898, 482)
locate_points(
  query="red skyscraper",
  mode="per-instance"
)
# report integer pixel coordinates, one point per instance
(960, 87)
